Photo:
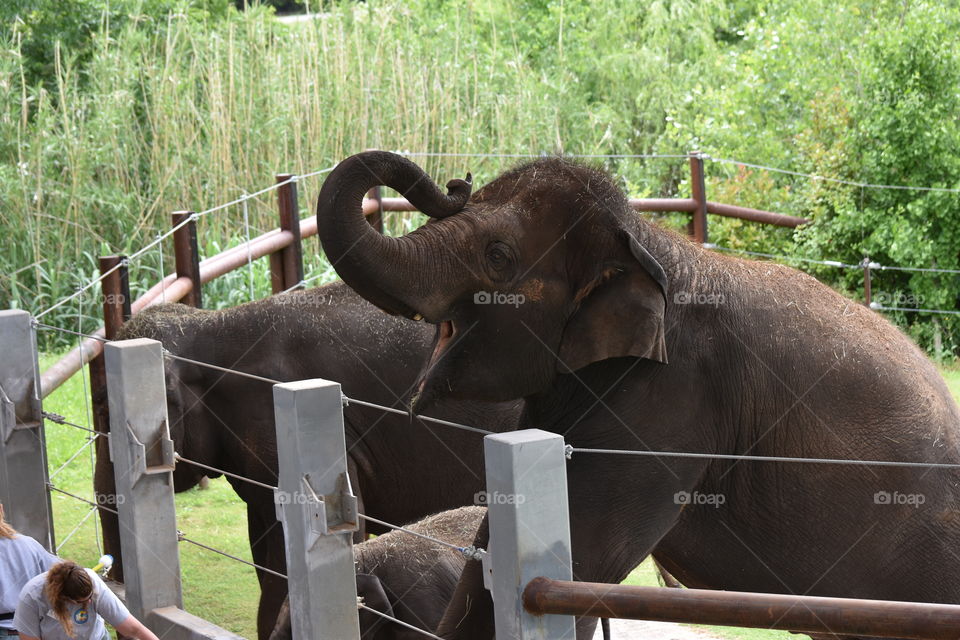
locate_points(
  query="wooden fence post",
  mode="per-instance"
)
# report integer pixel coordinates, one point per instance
(115, 289)
(187, 256)
(867, 281)
(286, 265)
(376, 218)
(698, 192)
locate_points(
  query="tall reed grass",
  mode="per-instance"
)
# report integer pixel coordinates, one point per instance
(177, 113)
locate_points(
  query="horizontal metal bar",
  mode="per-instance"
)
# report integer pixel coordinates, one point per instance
(805, 614)
(638, 204)
(682, 205)
(754, 215)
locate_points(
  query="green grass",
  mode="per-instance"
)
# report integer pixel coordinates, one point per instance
(215, 587)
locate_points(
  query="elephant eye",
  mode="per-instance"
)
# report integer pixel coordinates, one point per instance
(499, 259)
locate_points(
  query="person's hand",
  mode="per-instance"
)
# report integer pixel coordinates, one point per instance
(133, 628)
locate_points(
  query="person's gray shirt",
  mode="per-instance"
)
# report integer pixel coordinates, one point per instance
(21, 558)
(35, 616)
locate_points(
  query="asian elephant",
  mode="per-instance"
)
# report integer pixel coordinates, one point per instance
(545, 285)
(406, 577)
(401, 469)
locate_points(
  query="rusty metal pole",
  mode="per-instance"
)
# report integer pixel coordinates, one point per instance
(286, 266)
(187, 256)
(376, 218)
(698, 193)
(115, 289)
(804, 614)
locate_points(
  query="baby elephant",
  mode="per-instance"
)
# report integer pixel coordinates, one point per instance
(406, 577)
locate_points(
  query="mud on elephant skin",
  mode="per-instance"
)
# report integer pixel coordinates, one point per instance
(407, 577)
(400, 470)
(632, 337)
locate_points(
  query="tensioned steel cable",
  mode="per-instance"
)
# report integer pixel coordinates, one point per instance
(747, 457)
(52, 487)
(470, 552)
(59, 419)
(180, 458)
(400, 412)
(182, 538)
(161, 237)
(400, 622)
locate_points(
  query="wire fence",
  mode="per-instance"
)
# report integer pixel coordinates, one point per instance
(470, 552)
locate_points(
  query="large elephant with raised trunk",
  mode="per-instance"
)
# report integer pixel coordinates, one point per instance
(545, 285)
(402, 469)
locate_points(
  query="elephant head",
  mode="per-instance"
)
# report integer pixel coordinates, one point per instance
(543, 271)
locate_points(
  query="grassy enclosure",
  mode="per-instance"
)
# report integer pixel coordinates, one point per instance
(144, 107)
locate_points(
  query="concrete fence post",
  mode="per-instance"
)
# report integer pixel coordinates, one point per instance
(142, 455)
(529, 528)
(23, 451)
(318, 511)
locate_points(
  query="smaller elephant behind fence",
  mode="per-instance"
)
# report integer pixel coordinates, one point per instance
(226, 421)
(406, 577)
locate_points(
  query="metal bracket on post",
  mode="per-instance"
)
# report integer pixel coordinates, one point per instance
(317, 509)
(157, 459)
(143, 465)
(23, 451)
(529, 528)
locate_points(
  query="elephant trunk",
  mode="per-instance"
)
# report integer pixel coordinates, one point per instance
(399, 275)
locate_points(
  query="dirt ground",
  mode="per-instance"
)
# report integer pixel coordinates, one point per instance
(642, 630)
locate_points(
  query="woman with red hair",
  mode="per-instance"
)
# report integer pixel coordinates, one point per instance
(69, 602)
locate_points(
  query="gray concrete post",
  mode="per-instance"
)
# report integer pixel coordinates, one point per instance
(23, 450)
(317, 509)
(142, 455)
(529, 528)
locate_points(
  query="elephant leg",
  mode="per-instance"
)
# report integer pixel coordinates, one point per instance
(629, 521)
(267, 548)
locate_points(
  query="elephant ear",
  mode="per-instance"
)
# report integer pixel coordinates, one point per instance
(371, 590)
(620, 314)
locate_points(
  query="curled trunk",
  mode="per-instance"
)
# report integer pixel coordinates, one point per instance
(384, 270)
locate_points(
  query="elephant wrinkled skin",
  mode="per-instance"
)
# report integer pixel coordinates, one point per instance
(622, 335)
(406, 577)
(401, 470)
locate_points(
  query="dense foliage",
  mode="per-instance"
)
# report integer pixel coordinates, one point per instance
(114, 113)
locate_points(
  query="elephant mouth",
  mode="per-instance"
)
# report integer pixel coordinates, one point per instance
(445, 335)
